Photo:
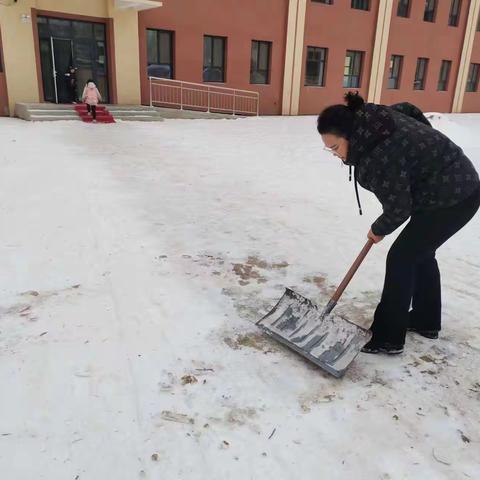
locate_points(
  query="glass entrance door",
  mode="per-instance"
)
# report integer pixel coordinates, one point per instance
(62, 56)
(76, 43)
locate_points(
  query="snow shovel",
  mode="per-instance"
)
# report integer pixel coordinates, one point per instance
(330, 341)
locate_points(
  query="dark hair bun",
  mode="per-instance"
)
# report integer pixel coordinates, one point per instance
(354, 101)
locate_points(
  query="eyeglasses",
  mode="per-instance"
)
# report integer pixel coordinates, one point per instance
(331, 149)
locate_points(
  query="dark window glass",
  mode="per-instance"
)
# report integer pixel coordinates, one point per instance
(361, 4)
(353, 69)
(42, 24)
(454, 16)
(99, 29)
(47, 70)
(444, 75)
(62, 28)
(82, 29)
(420, 74)
(326, 2)
(83, 54)
(395, 70)
(214, 59)
(316, 66)
(473, 75)
(159, 53)
(260, 62)
(101, 57)
(430, 10)
(403, 9)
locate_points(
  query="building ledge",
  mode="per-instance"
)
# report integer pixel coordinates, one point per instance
(137, 4)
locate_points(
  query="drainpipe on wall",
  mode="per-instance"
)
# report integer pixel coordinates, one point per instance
(293, 57)
(379, 57)
(465, 59)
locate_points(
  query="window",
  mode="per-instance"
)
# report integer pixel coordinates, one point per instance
(361, 4)
(213, 59)
(403, 9)
(394, 72)
(316, 66)
(420, 74)
(444, 75)
(326, 2)
(159, 53)
(353, 69)
(430, 10)
(454, 17)
(260, 62)
(473, 75)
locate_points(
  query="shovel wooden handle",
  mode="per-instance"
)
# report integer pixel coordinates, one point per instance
(358, 261)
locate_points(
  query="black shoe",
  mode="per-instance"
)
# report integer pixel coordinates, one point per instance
(432, 334)
(388, 348)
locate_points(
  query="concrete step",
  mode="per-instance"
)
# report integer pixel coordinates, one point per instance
(138, 118)
(143, 108)
(51, 112)
(132, 112)
(47, 106)
(52, 118)
(144, 113)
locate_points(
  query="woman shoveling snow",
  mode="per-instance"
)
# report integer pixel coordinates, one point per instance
(416, 173)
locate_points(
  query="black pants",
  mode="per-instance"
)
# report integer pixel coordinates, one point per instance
(412, 276)
(72, 94)
(93, 109)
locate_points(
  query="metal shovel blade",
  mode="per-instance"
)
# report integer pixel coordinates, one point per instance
(330, 341)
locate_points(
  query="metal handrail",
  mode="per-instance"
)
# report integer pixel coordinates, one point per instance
(237, 95)
(202, 85)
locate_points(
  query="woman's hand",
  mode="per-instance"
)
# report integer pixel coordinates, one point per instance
(373, 237)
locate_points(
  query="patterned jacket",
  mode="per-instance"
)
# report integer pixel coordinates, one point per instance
(407, 164)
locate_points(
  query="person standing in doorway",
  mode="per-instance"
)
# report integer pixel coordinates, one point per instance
(91, 96)
(71, 81)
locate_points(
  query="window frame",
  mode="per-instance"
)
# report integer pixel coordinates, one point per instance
(224, 57)
(454, 19)
(363, 5)
(269, 59)
(473, 80)
(322, 73)
(433, 12)
(358, 54)
(171, 35)
(408, 8)
(425, 61)
(397, 79)
(443, 84)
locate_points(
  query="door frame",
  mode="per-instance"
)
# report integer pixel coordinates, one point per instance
(110, 45)
(3, 81)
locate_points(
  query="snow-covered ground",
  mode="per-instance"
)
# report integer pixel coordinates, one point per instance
(135, 259)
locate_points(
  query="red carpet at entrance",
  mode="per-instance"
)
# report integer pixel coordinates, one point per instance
(103, 115)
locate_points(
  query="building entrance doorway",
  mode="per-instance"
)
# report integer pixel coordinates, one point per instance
(71, 43)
